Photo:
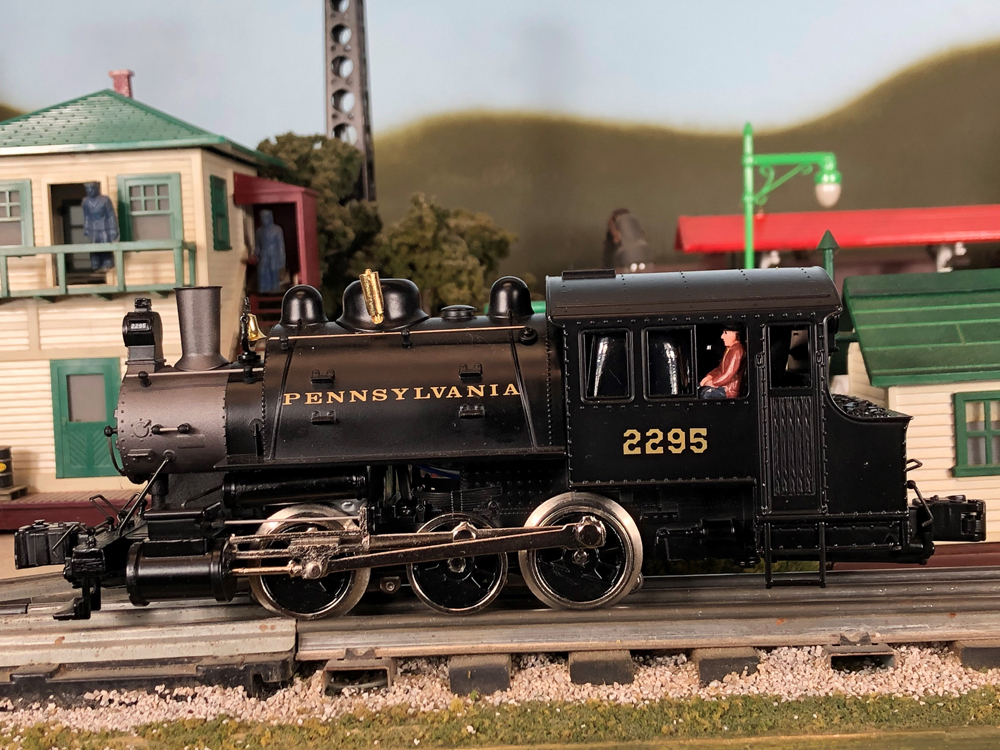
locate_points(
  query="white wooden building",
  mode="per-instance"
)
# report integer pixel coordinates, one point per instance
(929, 346)
(61, 352)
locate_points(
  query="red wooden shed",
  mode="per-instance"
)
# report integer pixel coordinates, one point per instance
(294, 210)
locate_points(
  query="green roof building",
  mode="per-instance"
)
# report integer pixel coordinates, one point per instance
(928, 345)
(186, 202)
(109, 121)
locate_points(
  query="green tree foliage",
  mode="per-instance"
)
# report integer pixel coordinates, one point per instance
(449, 253)
(344, 225)
(7, 112)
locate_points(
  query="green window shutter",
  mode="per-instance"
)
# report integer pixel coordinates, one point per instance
(84, 395)
(220, 213)
(977, 434)
(149, 207)
(16, 225)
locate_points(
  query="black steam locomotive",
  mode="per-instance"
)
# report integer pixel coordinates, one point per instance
(577, 439)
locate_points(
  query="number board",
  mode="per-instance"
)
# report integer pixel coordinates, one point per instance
(682, 441)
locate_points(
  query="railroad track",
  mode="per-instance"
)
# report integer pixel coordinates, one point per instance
(240, 643)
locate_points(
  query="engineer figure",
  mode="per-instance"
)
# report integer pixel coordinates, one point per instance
(726, 380)
(100, 225)
(270, 254)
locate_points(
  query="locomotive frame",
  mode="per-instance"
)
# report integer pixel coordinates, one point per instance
(575, 439)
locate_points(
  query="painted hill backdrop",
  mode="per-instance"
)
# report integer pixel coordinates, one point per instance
(929, 136)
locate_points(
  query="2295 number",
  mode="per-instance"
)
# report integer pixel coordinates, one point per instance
(678, 441)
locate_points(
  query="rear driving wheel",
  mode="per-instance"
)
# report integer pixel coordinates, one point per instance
(584, 578)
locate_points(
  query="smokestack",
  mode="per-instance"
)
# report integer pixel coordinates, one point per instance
(199, 311)
(123, 81)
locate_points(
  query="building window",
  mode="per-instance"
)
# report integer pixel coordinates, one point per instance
(149, 207)
(15, 213)
(607, 365)
(84, 395)
(220, 213)
(977, 433)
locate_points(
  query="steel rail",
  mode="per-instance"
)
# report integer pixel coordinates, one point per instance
(900, 606)
(891, 607)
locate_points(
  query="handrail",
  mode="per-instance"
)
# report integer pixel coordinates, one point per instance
(62, 288)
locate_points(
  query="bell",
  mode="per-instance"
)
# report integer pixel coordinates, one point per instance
(254, 334)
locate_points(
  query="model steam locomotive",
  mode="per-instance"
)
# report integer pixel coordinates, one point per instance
(580, 439)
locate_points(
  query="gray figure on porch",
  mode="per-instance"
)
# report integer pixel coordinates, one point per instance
(100, 225)
(270, 254)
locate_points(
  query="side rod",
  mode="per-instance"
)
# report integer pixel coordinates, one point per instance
(586, 534)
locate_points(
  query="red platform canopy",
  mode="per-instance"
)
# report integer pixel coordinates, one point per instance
(852, 229)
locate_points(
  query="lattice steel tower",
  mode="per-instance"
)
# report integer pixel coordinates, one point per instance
(347, 110)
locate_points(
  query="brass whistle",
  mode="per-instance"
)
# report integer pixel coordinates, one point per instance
(371, 288)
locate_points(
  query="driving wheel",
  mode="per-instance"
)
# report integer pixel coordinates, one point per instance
(460, 585)
(584, 578)
(302, 598)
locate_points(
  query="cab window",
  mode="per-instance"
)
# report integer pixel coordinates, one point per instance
(606, 365)
(790, 363)
(668, 363)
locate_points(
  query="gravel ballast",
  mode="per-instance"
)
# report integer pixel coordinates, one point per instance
(785, 674)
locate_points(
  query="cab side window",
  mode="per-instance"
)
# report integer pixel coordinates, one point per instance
(790, 363)
(606, 364)
(668, 363)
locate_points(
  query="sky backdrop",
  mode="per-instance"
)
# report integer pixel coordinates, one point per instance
(249, 69)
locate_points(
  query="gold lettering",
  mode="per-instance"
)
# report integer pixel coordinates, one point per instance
(314, 397)
(289, 397)
(677, 440)
(399, 393)
(511, 390)
(631, 445)
(332, 396)
(453, 392)
(439, 390)
(359, 395)
(418, 397)
(493, 390)
(699, 439)
(655, 438)
(474, 390)
(379, 394)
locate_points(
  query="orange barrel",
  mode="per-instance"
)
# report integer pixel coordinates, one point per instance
(6, 468)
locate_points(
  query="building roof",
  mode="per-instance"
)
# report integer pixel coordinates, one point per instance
(576, 295)
(108, 121)
(924, 328)
(852, 229)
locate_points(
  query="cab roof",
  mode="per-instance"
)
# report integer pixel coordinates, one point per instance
(586, 294)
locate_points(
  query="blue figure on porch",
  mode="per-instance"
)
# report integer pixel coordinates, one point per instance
(270, 254)
(100, 225)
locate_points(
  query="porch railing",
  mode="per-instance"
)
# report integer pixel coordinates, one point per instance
(118, 249)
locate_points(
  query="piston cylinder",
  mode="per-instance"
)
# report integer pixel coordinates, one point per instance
(155, 579)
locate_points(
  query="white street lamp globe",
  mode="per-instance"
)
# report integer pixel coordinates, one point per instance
(827, 193)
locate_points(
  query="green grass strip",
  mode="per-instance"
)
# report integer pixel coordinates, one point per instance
(559, 724)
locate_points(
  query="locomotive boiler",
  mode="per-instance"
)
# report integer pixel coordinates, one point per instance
(588, 443)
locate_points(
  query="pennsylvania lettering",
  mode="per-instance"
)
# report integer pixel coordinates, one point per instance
(421, 393)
